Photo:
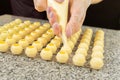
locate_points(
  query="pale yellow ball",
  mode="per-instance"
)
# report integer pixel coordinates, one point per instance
(23, 43)
(16, 49)
(42, 40)
(79, 59)
(3, 46)
(83, 45)
(46, 54)
(62, 57)
(29, 39)
(97, 54)
(38, 45)
(52, 47)
(31, 51)
(96, 63)
(56, 42)
(10, 40)
(81, 51)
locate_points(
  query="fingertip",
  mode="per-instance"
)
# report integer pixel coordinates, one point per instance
(56, 29)
(68, 31)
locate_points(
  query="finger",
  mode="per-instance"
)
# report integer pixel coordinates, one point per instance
(76, 19)
(60, 1)
(52, 16)
(57, 29)
(40, 5)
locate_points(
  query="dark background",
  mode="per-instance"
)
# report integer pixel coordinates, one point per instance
(105, 14)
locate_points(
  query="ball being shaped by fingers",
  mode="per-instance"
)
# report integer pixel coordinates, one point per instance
(62, 56)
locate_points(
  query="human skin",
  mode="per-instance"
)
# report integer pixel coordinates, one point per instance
(77, 13)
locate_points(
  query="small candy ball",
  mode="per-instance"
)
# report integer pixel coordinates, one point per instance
(29, 39)
(98, 48)
(10, 40)
(46, 54)
(16, 49)
(17, 37)
(96, 63)
(46, 25)
(37, 24)
(42, 40)
(56, 42)
(62, 56)
(3, 46)
(97, 54)
(83, 45)
(79, 59)
(31, 51)
(81, 51)
(38, 45)
(23, 43)
(52, 47)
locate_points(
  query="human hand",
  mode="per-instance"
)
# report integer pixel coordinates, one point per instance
(77, 12)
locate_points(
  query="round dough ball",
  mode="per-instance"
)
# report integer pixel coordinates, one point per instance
(37, 24)
(10, 41)
(4, 35)
(70, 43)
(28, 30)
(50, 32)
(56, 42)
(27, 22)
(34, 34)
(96, 63)
(79, 59)
(88, 30)
(87, 41)
(22, 33)
(42, 28)
(98, 48)
(22, 25)
(23, 43)
(97, 38)
(67, 49)
(31, 51)
(42, 40)
(38, 31)
(17, 37)
(16, 49)
(100, 32)
(58, 38)
(83, 45)
(18, 21)
(52, 47)
(46, 54)
(46, 25)
(3, 46)
(47, 36)
(29, 39)
(86, 37)
(99, 43)
(97, 54)
(73, 39)
(62, 56)
(81, 51)
(38, 45)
